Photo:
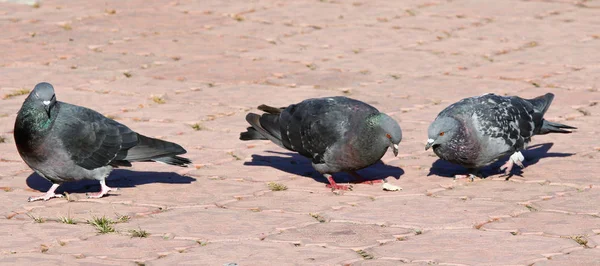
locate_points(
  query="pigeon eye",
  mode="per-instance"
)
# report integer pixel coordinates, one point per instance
(388, 135)
(441, 133)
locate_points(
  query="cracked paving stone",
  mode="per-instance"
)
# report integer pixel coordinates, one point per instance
(577, 257)
(258, 253)
(344, 235)
(129, 248)
(473, 247)
(298, 201)
(503, 191)
(81, 211)
(44, 259)
(551, 223)
(225, 224)
(425, 212)
(576, 202)
(27, 236)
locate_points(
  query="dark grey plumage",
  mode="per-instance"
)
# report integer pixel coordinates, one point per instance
(64, 142)
(336, 133)
(477, 131)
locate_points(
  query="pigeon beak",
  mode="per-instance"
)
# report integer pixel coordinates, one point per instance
(429, 144)
(47, 107)
(395, 149)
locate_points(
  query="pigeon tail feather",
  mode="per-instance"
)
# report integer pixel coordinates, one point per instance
(551, 127)
(266, 125)
(270, 109)
(174, 160)
(151, 149)
(251, 134)
(541, 103)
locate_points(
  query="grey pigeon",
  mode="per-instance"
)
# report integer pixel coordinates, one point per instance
(64, 142)
(336, 133)
(477, 131)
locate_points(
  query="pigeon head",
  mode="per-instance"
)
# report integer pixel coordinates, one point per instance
(441, 131)
(391, 131)
(43, 97)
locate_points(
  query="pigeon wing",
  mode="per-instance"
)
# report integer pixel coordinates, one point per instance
(507, 118)
(312, 126)
(91, 139)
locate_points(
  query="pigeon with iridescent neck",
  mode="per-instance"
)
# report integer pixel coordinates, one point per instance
(477, 131)
(64, 142)
(338, 134)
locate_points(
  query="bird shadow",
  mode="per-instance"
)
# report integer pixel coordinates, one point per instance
(119, 178)
(297, 164)
(532, 156)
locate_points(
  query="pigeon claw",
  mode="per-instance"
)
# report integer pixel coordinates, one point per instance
(45, 197)
(517, 158)
(507, 167)
(339, 187)
(471, 177)
(49, 194)
(104, 189)
(334, 186)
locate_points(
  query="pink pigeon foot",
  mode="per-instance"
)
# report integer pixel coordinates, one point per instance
(50, 194)
(517, 158)
(104, 189)
(469, 176)
(335, 186)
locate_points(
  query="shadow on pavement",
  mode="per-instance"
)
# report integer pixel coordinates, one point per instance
(532, 156)
(119, 178)
(297, 164)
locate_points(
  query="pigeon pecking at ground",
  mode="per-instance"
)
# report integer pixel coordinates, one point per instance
(64, 142)
(336, 133)
(477, 131)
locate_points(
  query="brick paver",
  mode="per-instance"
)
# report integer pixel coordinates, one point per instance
(189, 71)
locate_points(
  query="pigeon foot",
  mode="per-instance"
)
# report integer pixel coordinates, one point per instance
(104, 189)
(517, 158)
(471, 177)
(50, 194)
(334, 186)
(45, 197)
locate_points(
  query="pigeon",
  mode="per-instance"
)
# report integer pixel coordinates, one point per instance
(336, 133)
(63, 142)
(478, 131)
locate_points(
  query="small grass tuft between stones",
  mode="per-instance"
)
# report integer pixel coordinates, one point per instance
(531, 208)
(311, 66)
(318, 217)
(103, 225)
(139, 233)
(2, 139)
(198, 127)
(18, 92)
(123, 218)
(237, 158)
(277, 186)
(580, 240)
(66, 220)
(38, 220)
(364, 254)
(158, 99)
